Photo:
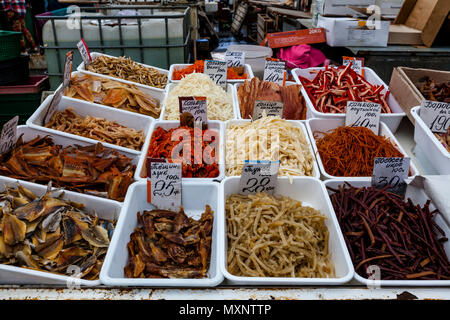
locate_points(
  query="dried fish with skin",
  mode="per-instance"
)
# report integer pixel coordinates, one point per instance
(44, 246)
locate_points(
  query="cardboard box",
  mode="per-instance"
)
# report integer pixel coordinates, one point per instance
(403, 86)
(419, 22)
(389, 7)
(295, 37)
(340, 7)
(353, 32)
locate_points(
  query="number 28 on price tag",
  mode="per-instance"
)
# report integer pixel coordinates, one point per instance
(391, 172)
(164, 184)
(258, 176)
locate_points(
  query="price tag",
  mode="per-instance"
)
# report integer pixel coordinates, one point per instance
(192, 110)
(235, 58)
(270, 108)
(274, 71)
(68, 68)
(53, 106)
(259, 176)
(164, 184)
(363, 114)
(84, 51)
(392, 172)
(436, 115)
(217, 71)
(357, 64)
(8, 136)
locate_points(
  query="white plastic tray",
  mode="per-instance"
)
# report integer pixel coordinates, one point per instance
(94, 55)
(311, 192)
(418, 197)
(247, 70)
(104, 208)
(392, 120)
(296, 123)
(195, 196)
(431, 148)
(84, 108)
(170, 86)
(323, 125)
(217, 126)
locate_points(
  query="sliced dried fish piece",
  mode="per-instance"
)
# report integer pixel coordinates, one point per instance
(13, 229)
(97, 236)
(51, 247)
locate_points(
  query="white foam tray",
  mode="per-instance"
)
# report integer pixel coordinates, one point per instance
(84, 108)
(236, 98)
(311, 192)
(94, 55)
(430, 146)
(296, 123)
(158, 95)
(195, 196)
(170, 87)
(418, 197)
(104, 208)
(392, 120)
(214, 125)
(323, 125)
(247, 70)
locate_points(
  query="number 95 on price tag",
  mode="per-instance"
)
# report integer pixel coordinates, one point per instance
(164, 184)
(259, 176)
(391, 172)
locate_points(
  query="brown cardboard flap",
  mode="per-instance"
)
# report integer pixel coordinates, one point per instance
(401, 34)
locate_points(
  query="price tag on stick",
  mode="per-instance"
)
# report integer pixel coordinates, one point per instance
(192, 110)
(8, 136)
(258, 176)
(68, 68)
(235, 58)
(275, 71)
(53, 106)
(217, 71)
(392, 172)
(357, 64)
(270, 108)
(436, 115)
(363, 114)
(84, 51)
(164, 184)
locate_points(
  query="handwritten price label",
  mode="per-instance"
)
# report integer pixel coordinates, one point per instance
(196, 106)
(84, 52)
(53, 106)
(270, 108)
(217, 71)
(68, 68)
(259, 176)
(274, 71)
(164, 184)
(363, 114)
(357, 64)
(8, 136)
(436, 115)
(235, 58)
(392, 172)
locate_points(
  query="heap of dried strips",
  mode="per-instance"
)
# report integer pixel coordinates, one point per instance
(170, 245)
(127, 69)
(433, 90)
(93, 169)
(112, 93)
(51, 234)
(96, 128)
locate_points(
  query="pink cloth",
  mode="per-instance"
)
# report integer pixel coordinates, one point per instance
(302, 56)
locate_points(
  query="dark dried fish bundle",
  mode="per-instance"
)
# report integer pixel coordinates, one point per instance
(170, 245)
(51, 234)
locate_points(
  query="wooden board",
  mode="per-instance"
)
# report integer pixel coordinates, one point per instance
(239, 16)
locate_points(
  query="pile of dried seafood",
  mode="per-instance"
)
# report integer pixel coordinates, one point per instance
(444, 138)
(96, 128)
(93, 169)
(170, 245)
(51, 234)
(127, 69)
(113, 94)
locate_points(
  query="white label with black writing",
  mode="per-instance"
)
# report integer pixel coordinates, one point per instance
(357, 64)
(165, 185)
(274, 71)
(259, 176)
(217, 71)
(196, 106)
(53, 106)
(392, 172)
(8, 136)
(363, 114)
(84, 52)
(235, 58)
(270, 108)
(68, 68)
(436, 115)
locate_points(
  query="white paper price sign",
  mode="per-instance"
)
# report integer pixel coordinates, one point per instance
(258, 176)
(53, 106)
(357, 64)
(270, 108)
(8, 136)
(217, 71)
(436, 115)
(363, 114)
(391, 172)
(274, 71)
(235, 58)
(194, 108)
(68, 68)
(164, 184)
(84, 52)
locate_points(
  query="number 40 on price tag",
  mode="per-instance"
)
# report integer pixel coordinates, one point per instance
(164, 184)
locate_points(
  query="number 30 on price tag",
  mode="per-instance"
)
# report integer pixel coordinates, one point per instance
(164, 184)
(392, 172)
(258, 176)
